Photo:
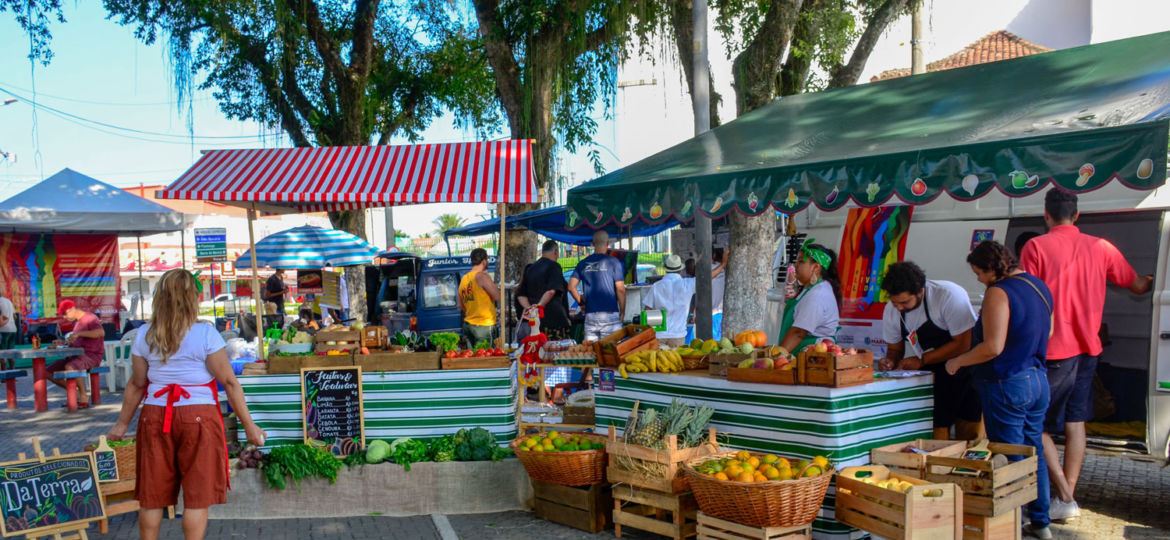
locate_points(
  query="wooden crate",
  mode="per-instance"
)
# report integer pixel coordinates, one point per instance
(833, 370)
(712, 528)
(322, 347)
(327, 360)
(1002, 527)
(482, 362)
(375, 337)
(997, 490)
(391, 361)
(668, 514)
(925, 512)
(344, 340)
(631, 338)
(913, 464)
(718, 364)
(671, 458)
(764, 376)
(283, 365)
(589, 509)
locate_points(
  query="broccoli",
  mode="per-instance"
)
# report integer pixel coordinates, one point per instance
(476, 444)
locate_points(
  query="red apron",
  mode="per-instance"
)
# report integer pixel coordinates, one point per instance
(174, 393)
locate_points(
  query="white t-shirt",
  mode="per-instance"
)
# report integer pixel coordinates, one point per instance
(343, 292)
(950, 309)
(672, 293)
(7, 310)
(187, 367)
(817, 312)
(717, 285)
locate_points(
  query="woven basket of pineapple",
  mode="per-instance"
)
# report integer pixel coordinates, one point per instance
(653, 448)
(759, 490)
(571, 458)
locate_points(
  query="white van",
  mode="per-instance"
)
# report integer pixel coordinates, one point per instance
(1135, 365)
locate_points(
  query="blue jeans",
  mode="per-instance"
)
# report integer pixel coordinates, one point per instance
(1013, 412)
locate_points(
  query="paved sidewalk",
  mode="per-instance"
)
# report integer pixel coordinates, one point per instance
(1120, 497)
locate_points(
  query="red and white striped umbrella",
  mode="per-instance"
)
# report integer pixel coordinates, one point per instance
(355, 177)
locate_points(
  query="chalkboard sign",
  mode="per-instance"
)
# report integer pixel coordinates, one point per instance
(331, 407)
(45, 495)
(107, 466)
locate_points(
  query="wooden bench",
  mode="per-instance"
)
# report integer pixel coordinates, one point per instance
(71, 380)
(9, 377)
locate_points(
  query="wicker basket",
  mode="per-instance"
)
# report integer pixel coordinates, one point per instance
(695, 362)
(578, 468)
(788, 503)
(125, 456)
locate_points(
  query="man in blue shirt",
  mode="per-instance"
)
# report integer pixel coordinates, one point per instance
(604, 298)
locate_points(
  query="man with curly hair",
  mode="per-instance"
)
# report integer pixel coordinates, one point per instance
(926, 323)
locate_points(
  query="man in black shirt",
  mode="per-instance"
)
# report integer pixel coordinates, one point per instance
(275, 289)
(544, 285)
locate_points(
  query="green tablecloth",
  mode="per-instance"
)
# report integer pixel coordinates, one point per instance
(420, 404)
(795, 421)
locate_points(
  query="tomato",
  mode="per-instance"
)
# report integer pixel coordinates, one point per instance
(466, 354)
(450, 354)
(482, 353)
(497, 352)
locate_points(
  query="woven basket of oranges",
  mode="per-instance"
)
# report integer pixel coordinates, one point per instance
(760, 490)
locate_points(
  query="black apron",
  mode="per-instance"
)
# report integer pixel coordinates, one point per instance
(954, 395)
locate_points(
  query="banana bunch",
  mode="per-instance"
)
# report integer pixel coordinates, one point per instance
(651, 361)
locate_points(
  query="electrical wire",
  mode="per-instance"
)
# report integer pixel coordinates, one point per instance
(102, 103)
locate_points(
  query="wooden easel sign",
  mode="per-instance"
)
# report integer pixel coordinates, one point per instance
(49, 495)
(107, 461)
(332, 413)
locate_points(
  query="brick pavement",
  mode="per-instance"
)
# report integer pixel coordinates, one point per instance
(1120, 497)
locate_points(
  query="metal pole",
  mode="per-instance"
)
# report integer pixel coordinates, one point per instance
(141, 296)
(917, 60)
(259, 307)
(183, 242)
(390, 228)
(500, 268)
(700, 102)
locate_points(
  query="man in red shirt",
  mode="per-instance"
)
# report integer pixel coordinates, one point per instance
(87, 334)
(1075, 267)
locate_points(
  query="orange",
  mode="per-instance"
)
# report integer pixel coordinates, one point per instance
(770, 459)
(783, 462)
(772, 473)
(733, 470)
(755, 461)
(743, 455)
(745, 477)
(759, 478)
(721, 476)
(786, 474)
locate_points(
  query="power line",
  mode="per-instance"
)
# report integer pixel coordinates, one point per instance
(103, 103)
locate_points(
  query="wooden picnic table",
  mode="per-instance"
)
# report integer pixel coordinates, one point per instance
(38, 357)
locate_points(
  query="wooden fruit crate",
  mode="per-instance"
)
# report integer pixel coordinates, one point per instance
(925, 512)
(375, 337)
(764, 376)
(1002, 527)
(712, 528)
(344, 340)
(671, 459)
(914, 464)
(828, 369)
(668, 514)
(283, 365)
(589, 509)
(391, 361)
(482, 362)
(631, 338)
(720, 363)
(997, 490)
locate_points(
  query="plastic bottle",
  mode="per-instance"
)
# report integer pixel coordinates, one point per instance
(36, 341)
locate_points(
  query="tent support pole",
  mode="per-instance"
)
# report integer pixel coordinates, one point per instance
(183, 242)
(500, 268)
(141, 295)
(259, 307)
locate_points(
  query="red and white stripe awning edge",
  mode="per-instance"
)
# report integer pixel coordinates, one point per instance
(350, 178)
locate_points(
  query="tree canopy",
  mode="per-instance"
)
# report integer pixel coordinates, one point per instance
(34, 17)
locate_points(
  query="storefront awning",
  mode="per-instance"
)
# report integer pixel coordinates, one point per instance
(355, 177)
(1077, 118)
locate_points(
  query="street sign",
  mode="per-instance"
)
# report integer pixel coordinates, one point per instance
(211, 245)
(228, 271)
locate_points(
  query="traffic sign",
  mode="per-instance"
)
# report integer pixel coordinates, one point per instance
(211, 245)
(228, 271)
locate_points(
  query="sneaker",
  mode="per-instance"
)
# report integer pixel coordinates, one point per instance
(1042, 533)
(1059, 510)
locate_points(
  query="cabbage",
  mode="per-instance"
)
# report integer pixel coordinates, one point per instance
(377, 451)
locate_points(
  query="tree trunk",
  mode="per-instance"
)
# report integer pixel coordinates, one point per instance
(749, 263)
(354, 222)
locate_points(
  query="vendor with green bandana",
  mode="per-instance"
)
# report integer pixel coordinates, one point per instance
(813, 314)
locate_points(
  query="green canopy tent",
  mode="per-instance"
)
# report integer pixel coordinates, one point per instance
(1077, 118)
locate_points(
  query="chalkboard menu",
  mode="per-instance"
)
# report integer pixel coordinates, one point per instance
(331, 404)
(43, 496)
(107, 465)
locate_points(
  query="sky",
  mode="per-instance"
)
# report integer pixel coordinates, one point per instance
(101, 74)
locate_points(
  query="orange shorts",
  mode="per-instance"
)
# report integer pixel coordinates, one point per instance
(191, 456)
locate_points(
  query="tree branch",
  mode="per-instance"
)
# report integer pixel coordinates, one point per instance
(502, 58)
(847, 75)
(365, 15)
(795, 71)
(310, 16)
(755, 69)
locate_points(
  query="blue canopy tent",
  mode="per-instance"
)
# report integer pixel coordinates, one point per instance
(551, 222)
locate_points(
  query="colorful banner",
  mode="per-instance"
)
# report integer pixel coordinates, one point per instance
(38, 271)
(874, 238)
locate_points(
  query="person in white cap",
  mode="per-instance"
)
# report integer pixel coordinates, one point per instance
(672, 293)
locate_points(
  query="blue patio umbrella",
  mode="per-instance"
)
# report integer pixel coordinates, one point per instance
(309, 247)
